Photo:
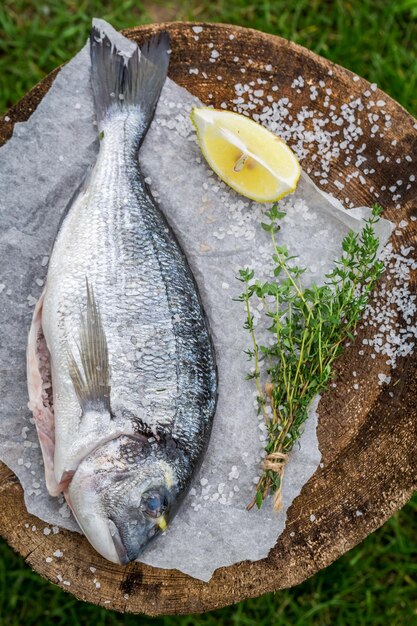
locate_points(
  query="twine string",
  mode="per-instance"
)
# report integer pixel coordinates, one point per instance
(276, 462)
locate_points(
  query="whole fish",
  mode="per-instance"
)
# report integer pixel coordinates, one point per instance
(121, 327)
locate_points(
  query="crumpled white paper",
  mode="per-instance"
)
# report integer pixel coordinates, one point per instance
(40, 168)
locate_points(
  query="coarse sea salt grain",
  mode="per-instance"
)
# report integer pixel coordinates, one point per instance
(392, 316)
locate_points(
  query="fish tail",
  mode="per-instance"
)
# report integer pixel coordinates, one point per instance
(120, 81)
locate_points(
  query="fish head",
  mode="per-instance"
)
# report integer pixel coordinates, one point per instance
(123, 495)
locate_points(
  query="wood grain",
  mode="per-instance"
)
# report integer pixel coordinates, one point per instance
(367, 437)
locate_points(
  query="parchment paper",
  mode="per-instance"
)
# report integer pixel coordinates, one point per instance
(40, 168)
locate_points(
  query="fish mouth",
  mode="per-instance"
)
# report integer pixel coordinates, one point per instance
(119, 546)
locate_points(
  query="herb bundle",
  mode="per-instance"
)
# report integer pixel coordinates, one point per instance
(309, 327)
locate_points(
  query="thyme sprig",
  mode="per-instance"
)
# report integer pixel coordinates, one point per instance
(309, 327)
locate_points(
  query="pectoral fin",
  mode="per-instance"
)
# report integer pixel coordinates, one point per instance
(90, 374)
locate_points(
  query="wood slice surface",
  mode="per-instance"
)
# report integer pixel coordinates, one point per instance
(367, 436)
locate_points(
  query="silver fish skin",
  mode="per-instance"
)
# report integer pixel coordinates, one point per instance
(132, 362)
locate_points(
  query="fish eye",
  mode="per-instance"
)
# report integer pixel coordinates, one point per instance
(152, 504)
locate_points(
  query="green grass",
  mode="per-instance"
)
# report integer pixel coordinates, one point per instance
(375, 38)
(376, 583)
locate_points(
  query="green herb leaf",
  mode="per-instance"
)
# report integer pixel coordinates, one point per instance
(310, 326)
(259, 498)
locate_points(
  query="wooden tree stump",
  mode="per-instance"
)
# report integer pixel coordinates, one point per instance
(367, 438)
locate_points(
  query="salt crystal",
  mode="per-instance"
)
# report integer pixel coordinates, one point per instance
(58, 554)
(383, 378)
(49, 559)
(312, 518)
(358, 513)
(197, 29)
(64, 511)
(203, 481)
(46, 531)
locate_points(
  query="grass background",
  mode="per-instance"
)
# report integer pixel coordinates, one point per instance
(375, 584)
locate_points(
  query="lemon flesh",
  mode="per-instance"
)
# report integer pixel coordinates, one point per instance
(245, 155)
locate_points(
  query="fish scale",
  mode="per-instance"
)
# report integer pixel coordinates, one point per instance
(148, 278)
(130, 349)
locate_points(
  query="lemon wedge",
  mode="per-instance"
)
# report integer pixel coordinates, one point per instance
(245, 155)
